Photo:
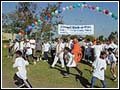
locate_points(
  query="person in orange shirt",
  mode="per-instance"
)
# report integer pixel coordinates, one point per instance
(94, 41)
(76, 51)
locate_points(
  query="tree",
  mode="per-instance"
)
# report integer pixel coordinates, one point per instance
(28, 12)
(19, 19)
(101, 38)
(90, 37)
(113, 36)
(48, 27)
(10, 23)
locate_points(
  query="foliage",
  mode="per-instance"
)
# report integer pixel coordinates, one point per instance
(90, 37)
(101, 38)
(113, 36)
(27, 13)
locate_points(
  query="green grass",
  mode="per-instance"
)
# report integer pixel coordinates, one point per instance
(41, 76)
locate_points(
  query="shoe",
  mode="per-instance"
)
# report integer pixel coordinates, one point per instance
(115, 79)
(51, 67)
(90, 62)
(38, 60)
(81, 74)
(34, 62)
(8, 57)
(66, 76)
(62, 67)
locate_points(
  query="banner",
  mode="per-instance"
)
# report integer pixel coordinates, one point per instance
(75, 29)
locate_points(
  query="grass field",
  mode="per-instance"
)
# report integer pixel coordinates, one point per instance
(42, 76)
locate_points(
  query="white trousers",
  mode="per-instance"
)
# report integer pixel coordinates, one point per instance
(59, 57)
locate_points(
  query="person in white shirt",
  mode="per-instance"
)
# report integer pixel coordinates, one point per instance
(69, 62)
(97, 49)
(99, 66)
(112, 45)
(22, 46)
(16, 47)
(59, 53)
(88, 42)
(28, 51)
(69, 43)
(32, 45)
(20, 76)
(111, 57)
(46, 48)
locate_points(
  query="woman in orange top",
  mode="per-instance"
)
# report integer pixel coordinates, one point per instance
(77, 51)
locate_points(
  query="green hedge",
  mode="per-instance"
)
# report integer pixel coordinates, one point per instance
(5, 41)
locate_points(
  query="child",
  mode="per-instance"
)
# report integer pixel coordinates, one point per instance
(99, 66)
(111, 57)
(70, 62)
(20, 77)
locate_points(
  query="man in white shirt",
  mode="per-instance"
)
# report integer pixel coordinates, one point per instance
(16, 47)
(32, 45)
(20, 76)
(99, 66)
(59, 53)
(46, 48)
(112, 45)
(22, 46)
(68, 43)
(28, 51)
(97, 49)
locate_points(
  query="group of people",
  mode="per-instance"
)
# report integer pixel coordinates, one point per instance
(69, 52)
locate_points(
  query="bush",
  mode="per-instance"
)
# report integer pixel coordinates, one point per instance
(5, 41)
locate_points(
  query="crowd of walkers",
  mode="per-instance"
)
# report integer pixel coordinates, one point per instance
(69, 52)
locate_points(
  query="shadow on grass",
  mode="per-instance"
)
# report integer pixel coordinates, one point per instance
(84, 81)
(85, 62)
(62, 71)
(88, 70)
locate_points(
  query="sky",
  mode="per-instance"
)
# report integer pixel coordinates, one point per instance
(104, 24)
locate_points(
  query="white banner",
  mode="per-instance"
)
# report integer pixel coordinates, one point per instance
(75, 29)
